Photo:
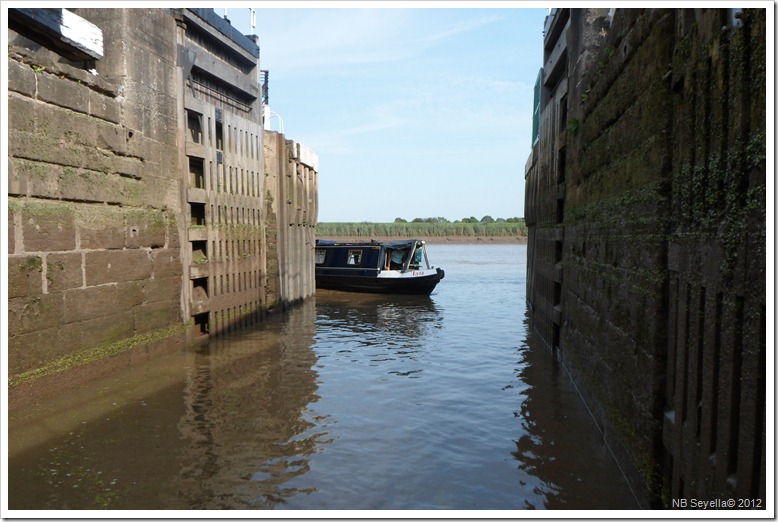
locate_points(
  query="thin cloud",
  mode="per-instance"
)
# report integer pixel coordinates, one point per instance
(326, 38)
(343, 140)
(459, 28)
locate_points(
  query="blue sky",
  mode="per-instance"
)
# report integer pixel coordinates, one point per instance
(413, 112)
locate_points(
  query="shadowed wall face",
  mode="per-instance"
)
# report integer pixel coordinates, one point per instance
(646, 194)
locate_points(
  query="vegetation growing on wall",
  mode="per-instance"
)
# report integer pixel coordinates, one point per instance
(97, 353)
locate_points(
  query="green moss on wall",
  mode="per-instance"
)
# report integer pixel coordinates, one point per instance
(95, 354)
(33, 264)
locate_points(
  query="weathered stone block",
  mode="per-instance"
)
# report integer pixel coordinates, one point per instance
(111, 266)
(82, 185)
(54, 122)
(82, 304)
(25, 276)
(145, 228)
(104, 330)
(125, 166)
(151, 316)
(139, 146)
(48, 227)
(63, 271)
(28, 314)
(21, 115)
(100, 227)
(135, 117)
(17, 185)
(89, 185)
(11, 232)
(62, 92)
(173, 237)
(32, 178)
(104, 107)
(131, 294)
(163, 289)
(51, 149)
(159, 192)
(62, 150)
(21, 78)
(166, 263)
(134, 192)
(111, 137)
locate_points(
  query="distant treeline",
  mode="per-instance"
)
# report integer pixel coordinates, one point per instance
(422, 228)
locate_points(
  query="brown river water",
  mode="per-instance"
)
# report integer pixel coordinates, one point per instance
(346, 402)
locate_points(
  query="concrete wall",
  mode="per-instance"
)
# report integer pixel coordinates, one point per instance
(137, 214)
(292, 210)
(648, 250)
(223, 190)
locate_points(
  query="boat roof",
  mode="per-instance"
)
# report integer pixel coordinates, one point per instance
(394, 243)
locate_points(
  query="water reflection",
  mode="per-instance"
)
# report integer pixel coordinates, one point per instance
(381, 330)
(394, 316)
(245, 432)
(561, 446)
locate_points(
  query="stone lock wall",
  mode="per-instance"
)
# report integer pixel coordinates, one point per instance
(93, 192)
(649, 277)
(138, 212)
(616, 217)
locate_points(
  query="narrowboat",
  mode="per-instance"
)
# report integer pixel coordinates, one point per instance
(388, 267)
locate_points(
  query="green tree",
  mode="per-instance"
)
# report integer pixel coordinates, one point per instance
(400, 220)
(487, 219)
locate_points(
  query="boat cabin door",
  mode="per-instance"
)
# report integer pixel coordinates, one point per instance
(396, 259)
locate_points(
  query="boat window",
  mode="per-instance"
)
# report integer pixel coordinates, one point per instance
(354, 257)
(320, 254)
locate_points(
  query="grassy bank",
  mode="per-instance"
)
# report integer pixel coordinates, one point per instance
(462, 231)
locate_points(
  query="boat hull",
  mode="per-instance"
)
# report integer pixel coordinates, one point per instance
(418, 285)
